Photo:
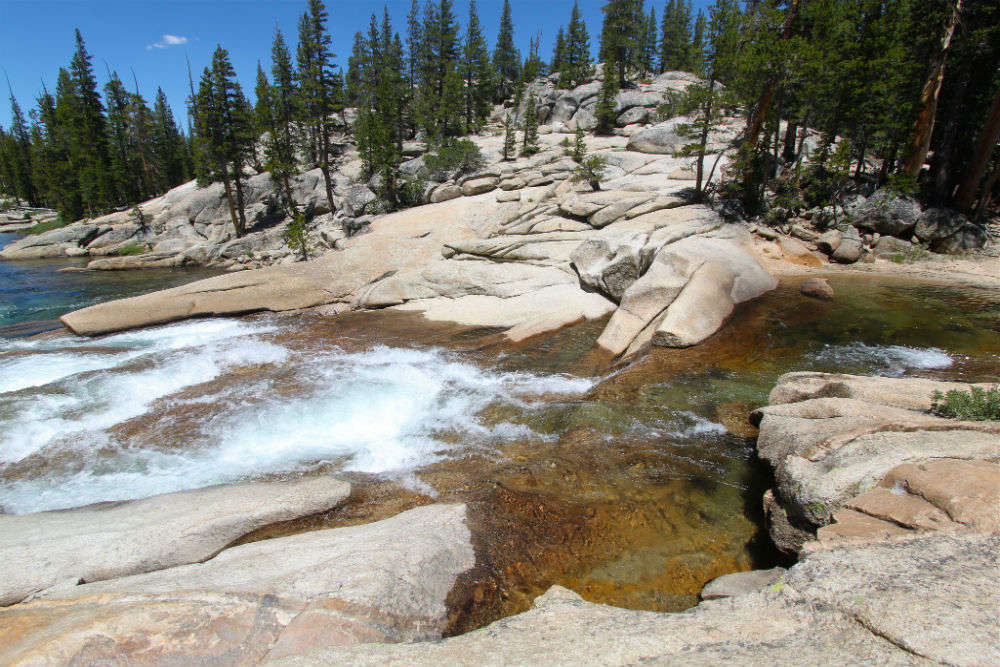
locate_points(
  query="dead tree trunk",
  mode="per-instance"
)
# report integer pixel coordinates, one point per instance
(923, 127)
(985, 144)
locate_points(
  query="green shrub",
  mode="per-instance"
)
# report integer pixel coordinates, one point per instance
(131, 249)
(137, 216)
(676, 105)
(295, 234)
(579, 146)
(975, 405)
(46, 226)
(411, 191)
(452, 159)
(591, 170)
(918, 252)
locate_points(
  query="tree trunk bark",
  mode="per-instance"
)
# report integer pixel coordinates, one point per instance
(984, 200)
(985, 145)
(944, 181)
(699, 192)
(229, 200)
(238, 186)
(767, 94)
(289, 199)
(788, 152)
(324, 167)
(923, 127)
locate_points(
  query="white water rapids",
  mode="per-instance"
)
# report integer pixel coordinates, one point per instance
(211, 401)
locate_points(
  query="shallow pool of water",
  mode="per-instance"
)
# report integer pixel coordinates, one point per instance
(34, 293)
(633, 486)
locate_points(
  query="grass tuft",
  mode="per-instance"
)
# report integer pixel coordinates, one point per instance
(976, 405)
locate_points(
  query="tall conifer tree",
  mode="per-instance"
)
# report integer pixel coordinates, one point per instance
(319, 92)
(506, 57)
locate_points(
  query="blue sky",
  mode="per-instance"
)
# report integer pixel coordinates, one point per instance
(153, 38)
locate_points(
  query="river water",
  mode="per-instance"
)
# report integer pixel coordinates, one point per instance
(633, 486)
(33, 294)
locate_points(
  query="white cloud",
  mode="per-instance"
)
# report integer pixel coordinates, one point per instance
(168, 40)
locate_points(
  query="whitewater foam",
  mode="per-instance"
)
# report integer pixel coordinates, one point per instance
(382, 411)
(884, 359)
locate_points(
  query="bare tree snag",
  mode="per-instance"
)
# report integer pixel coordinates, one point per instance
(923, 126)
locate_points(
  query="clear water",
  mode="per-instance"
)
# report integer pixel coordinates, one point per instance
(34, 293)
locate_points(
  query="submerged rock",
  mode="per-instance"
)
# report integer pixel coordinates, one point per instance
(817, 288)
(112, 540)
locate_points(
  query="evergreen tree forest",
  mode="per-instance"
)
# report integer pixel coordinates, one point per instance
(906, 91)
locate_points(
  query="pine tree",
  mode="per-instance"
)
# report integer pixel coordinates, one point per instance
(263, 113)
(352, 82)
(577, 69)
(280, 147)
(605, 109)
(124, 165)
(697, 64)
(19, 156)
(168, 144)
(380, 113)
(477, 72)
(221, 125)
(319, 92)
(441, 90)
(675, 36)
(90, 145)
(506, 58)
(580, 145)
(647, 56)
(509, 138)
(621, 36)
(533, 65)
(558, 63)
(529, 144)
(64, 181)
(414, 44)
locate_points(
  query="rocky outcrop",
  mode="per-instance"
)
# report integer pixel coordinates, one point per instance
(484, 260)
(689, 289)
(668, 137)
(382, 582)
(56, 243)
(877, 604)
(113, 540)
(396, 242)
(863, 459)
(886, 213)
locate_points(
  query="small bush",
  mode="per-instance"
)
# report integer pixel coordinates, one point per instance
(295, 235)
(453, 159)
(975, 405)
(411, 191)
(591, 170)
(137, 216)
(914, 254)
(131, 249)
(676, 105)
(46, 226)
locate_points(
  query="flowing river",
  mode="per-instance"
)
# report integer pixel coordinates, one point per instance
(633, 486)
